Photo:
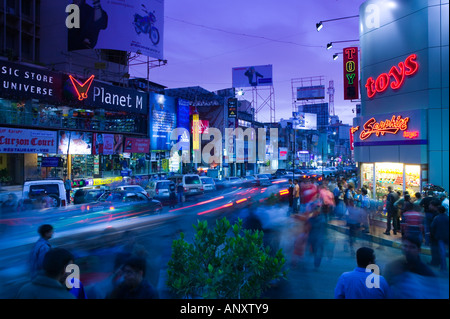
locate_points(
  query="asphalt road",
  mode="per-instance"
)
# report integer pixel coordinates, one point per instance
(96, 245)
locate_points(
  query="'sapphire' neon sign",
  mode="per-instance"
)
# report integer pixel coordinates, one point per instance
(392, 126)
(397, 73)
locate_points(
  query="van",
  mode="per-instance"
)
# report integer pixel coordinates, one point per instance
(32, 190)
(160, 190)
(191, 182)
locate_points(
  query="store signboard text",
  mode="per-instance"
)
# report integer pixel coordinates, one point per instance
(391, 126)
(398, 74)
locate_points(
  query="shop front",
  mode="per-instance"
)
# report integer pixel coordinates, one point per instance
(401, 138)
(89, 122)
(392, 151)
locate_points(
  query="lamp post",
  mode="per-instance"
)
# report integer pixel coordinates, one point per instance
(319, 25)
(330, 44)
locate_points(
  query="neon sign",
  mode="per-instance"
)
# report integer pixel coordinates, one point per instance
(407, 68)
(82, 89)
(351, 78)
(392, 126)
(413, 134)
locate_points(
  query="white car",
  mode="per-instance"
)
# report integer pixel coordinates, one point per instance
(33, 189)
(160, 190)
(208, 183)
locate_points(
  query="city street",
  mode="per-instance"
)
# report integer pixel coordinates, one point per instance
(92, 242)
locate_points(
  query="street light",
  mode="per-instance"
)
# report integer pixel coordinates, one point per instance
(335, 56)
(330, 44)
(319, 25)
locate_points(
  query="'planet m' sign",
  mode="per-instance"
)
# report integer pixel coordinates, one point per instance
(132, 102)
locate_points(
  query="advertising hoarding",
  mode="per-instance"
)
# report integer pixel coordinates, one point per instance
(162, 121)
(73, 142)
(137, 145)
(103, 144)
(249, 76)
(305, 121)
(120, 25)
(16, 140)
(316, 92)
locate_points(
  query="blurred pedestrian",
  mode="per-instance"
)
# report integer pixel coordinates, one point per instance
(68, 187)
(316, 224)
(444, 201)
(416, 202)
(296, 196)
(134, 284)
(48, 284)
(327, 200)
(10, 204)
(433, 209)
(290, 196)
(429, 215)
(412, 222)
(354, 284)
(40, 249)
(439, 231)
(391, 210)
(172, 195)
(180, 192)
(409, 277)
(365, 210)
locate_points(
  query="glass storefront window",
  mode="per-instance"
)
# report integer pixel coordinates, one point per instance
(388, 174)
(367, 177)
(412, 179)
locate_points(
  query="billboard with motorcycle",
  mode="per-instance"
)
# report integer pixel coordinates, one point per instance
(132, 25)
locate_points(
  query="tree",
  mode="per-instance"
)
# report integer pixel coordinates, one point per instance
(218, 265)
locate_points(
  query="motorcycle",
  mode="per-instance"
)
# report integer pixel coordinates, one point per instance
(145, 24)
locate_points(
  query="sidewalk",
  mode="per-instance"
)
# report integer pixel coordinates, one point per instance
(376, 235)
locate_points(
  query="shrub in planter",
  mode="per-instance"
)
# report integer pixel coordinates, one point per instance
(226, 262)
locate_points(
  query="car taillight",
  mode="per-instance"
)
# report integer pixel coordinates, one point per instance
(157, 191)
(201, 189)
(185, 189)
(63, 202)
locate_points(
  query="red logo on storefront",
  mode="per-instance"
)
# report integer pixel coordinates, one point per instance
(413, 134)
(82, 88)
(397, 73)
(392, 126)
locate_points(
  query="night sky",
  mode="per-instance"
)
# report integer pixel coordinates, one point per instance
(204, 40)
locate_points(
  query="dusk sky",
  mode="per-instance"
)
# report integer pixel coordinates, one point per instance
(204, 40)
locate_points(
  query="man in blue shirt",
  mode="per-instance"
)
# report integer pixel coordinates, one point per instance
(357, 284)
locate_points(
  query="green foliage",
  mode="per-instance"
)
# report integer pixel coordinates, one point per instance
(226, 262)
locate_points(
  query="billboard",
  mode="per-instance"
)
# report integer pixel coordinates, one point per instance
(162, 121)
(305, 121)
(137, 145)
(103, 144)
(316, 92)
(119, 25)
(249, 76)
(17, 140)
(72, 142)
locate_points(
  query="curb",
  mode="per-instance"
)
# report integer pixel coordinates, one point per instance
(375, 239)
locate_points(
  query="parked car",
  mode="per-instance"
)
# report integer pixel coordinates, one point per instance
(262, 180)
(118, 200)
(191, 182)
(33, 190)
(131, 188)
(160, 190)
(208, 183)
(219, 183)
(84, 196)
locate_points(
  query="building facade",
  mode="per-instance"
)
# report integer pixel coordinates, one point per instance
(401, 137)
